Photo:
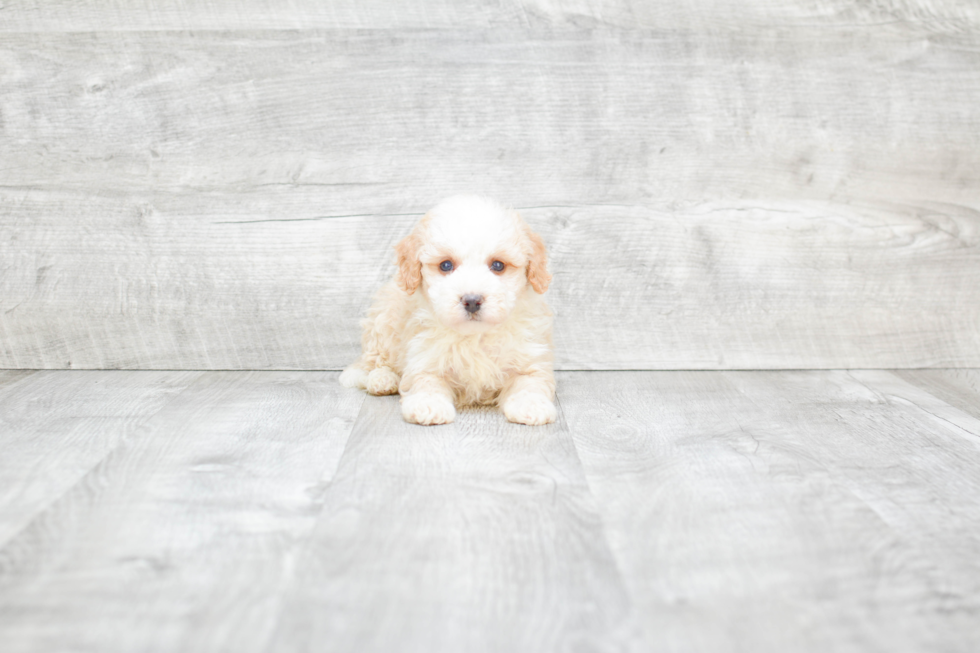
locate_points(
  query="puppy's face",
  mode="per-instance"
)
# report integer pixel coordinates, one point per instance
(472, 259)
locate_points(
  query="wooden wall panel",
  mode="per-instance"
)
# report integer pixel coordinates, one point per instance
(225, 281)
(389, 120)
(800, 197)
(129, 15)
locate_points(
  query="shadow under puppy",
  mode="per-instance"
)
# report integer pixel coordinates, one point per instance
(463, 321)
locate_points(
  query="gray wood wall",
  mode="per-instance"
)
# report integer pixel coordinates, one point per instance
(736, 184)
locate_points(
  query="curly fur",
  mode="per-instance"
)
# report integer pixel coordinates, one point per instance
(418, 339)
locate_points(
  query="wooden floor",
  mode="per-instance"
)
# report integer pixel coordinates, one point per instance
(666, 511)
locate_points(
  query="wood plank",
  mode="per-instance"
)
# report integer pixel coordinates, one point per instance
(959, 388)
(895, 388)
(255, 280)
(182, 537)
(475, 536)
(187, 289)
(739, 285)
(56, 426)
(92, 15)
(379, 121)
(774, 511)
(10, 377)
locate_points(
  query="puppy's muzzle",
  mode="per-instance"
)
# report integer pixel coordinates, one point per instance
(471, 302)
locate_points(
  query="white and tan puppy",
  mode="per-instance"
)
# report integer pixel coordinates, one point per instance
(463, 321)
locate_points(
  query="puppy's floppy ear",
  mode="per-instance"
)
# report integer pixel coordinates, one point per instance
(409, 274)
(537, 264)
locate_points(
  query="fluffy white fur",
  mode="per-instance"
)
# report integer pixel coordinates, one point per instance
(419, 340)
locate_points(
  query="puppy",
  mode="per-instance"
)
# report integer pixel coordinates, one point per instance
(463, 321)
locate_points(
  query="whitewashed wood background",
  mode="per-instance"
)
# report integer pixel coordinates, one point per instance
(737, 184)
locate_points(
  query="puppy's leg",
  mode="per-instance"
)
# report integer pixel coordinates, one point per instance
(529, 398)
(382, 381)
(376, 380)
(428, 401)
(381, 334)
(354, 375)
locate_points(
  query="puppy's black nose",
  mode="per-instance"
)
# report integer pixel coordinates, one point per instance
(472, 302)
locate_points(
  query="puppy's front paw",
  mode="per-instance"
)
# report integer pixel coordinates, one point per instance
(353, 377)
(382, 381)
(530, 408)
(428, 408)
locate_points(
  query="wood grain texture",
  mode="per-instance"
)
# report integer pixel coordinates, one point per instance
(226, 281)
(804, 511)
(182, 538)
(10, 377)
(792, 198)
(668, 511)
(736, 285)
(959, 416)
(380, 121)
(476, 536)
(959, 388)
(93, 15)
(55, 427)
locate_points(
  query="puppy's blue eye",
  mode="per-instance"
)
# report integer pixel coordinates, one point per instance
(497, 266)
(446, 266)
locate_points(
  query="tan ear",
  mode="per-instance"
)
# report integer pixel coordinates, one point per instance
(537, 265)
(409, 274)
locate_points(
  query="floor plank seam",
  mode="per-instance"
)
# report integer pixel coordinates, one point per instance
(603, 525)
(123, 442)
(302, 545)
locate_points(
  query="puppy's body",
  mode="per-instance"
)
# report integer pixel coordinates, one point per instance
(468, 335)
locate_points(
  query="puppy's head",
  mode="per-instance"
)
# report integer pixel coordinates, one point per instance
(472, 259)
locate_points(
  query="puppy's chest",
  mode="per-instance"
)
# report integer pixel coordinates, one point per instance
(482, 364)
